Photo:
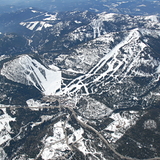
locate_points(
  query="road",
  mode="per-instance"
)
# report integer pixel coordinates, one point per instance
(84, 125)
(104, 140)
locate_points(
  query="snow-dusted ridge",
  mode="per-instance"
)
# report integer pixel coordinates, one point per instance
(36, 24)
(126, 60)
(29, 71)
(41, 24)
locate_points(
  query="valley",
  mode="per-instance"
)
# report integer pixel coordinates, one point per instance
(80, 84)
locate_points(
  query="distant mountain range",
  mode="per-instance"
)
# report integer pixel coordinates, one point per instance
(133, 7)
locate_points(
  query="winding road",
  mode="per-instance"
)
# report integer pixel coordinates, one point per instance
(104, 140)
(84, 125)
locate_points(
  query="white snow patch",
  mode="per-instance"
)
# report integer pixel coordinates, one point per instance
(77, 135)
(158, 69)
(121, 123)
(107, 17)
(2, 57)
(29, 25)
(150, 32)
(135, 98)
(34, 104)
(94, 9)
(152, 18)
(71, 70)
(78, 22)
(39, 24)
(51, 17)
(142, 5)
(24, 68)
(34, 11)
(46, 25)
(133, 35)
(3, 155)
(53, 67)
(82, 147)
(54, 151)
(43, 119)
(29, 41)
(156, 94)
(43, 25)
(55, 145)
(150, 124)
(5, 128)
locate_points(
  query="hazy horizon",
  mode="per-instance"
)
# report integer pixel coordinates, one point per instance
(19, 2)
(28, 2)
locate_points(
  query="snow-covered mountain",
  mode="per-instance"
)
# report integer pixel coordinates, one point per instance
(132, 57)
(134, 7)
(28, 71)
(79, 85)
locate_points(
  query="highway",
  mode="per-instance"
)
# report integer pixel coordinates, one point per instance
(104, 140)
(84, 125)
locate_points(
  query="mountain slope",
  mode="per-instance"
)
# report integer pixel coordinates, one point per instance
(28, 71)
(126, 73)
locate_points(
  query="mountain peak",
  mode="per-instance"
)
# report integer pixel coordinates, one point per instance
(29, 71)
